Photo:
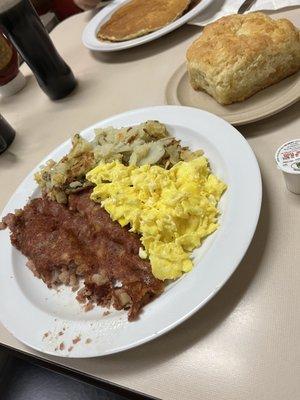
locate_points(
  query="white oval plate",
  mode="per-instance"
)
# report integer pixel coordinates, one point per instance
(29, 310)
(89, 36)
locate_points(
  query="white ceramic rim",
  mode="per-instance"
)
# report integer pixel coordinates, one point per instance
(89, 35)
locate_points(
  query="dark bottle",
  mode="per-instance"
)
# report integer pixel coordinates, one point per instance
(24, 28)
(7, 134)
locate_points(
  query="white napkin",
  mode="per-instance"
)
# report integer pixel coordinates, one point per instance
(220, 8)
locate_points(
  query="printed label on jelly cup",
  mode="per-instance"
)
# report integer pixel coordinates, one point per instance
(288, 157)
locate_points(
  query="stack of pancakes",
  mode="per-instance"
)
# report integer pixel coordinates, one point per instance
(139, 17)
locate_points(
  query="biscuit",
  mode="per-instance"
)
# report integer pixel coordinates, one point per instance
(239, 55)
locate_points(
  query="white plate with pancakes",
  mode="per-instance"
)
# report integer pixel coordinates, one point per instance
(53, 322)
(89, 36)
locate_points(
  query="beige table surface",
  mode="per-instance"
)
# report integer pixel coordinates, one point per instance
(244, 344)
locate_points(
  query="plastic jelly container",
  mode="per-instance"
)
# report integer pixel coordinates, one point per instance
(288, 161)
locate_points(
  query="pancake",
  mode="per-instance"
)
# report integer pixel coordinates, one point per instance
(139, 17)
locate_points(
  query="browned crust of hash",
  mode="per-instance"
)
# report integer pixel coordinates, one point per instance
(64, 244)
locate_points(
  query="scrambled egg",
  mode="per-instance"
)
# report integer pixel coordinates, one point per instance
(173, 210)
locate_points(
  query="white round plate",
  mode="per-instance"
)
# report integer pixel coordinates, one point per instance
(89, 36)
(261, 105)
(49, 320)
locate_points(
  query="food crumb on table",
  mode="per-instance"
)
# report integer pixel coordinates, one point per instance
(105, 313)
(88, 340)
(62, 346)
(70, 348)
